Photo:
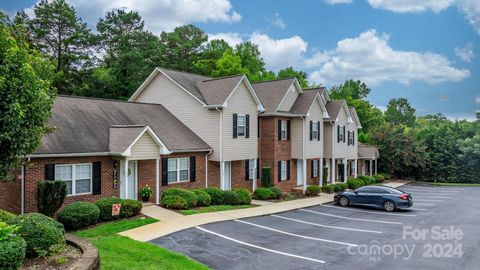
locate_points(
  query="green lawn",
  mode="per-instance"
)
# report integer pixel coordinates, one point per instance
(213, 208)
(119, 252)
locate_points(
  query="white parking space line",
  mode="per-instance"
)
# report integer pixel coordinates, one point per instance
(350, 218)
(429, 204)
(418, 209)
(427, 200)
(259, 247)
(368, 212)
(325, 226)
(433, 188)
(429, 197)
(297, 235)
(432, 194)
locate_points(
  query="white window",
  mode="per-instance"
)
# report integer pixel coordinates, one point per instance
(283, 170)
(341, 134)
(315, 130)
(283, 130)
(78, 177)
(251, 168)
(241, 125)
(315, 168)
(178, 170)
(350, 137)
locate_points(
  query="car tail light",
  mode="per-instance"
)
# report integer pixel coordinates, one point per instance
(404, 197)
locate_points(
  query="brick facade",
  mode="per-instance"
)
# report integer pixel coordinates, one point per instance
(10, 195)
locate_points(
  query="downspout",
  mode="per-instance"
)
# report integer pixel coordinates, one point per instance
(206, 168)
(222, 169)
(333, 170)
(304, 167)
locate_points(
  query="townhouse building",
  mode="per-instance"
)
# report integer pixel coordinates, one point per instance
(185, 130)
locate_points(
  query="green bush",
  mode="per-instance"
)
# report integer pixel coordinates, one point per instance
(343, 186)
(312, 190)
(105, 206)
(50, 196)
(262, 193)
(174, 202)
(379, 178)
(12, 247)
(216, 195)
(276, 193)
(386, 175)
(79, 215)
(231, 197)
(188, 195)
(6, 217)
(337, 188)
(203, 198)
(130, 208)
(244, 196)
(354, 183)
(266, 177)
(328, 189)
(44, 236)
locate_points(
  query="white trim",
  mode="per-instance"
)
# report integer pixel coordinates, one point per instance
(157, 180)
(73, 155)
(163, 149)
(244, 125)
(177, 170)
(244, 78)
(368, 212)
(355, 117)
(299, 90)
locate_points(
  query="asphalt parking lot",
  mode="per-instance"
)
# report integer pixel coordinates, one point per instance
(440, 231)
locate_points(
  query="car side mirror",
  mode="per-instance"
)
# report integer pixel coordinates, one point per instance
(356, 192)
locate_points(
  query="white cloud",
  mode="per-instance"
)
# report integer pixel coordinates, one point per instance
(231, 38)
(370, 58)
(277, 21)
(471, 10)
(161, 14)
(411, 5)
(477, 99)
(280, 53)
(465, 53)
(333, 2)
(317, 59)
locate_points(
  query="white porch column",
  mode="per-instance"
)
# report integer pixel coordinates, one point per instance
(304, 176)
(333, 171)
(363, 167)
(254, 175)
(345, 173)
(125, 174)
(157, 178)
(370, 162)
(356, 169)
(320, 171)
(222, 175)
(376, 166)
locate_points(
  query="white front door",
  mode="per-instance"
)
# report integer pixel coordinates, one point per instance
(300, 172)
(227, 176)
(128, 185)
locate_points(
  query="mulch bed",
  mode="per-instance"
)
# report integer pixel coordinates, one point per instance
(62, 261)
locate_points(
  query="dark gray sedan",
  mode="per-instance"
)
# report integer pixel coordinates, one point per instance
(376, 196)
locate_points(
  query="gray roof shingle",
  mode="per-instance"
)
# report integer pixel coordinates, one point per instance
(303, 102)
(122, 136)
(334, 107)
(84, 125)
(272, 92)
(367, 151)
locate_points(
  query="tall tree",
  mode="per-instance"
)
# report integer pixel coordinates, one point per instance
(183, 47)
(301, 76)
(350, 88)
(251, 59)
(400, 112)
(229, 64)
(213, 51)
(58, 32)
(26, 97)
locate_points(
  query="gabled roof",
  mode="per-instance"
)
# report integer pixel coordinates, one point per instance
(335, 106)
(354, 115)
(210, 92)
(85, 125)
(272, 93)
(304, 102)
(367, 151)
(121, 136)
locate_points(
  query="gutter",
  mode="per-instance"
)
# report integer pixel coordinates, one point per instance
(206, 168)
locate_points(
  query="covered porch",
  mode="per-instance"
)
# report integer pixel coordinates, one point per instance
(367, 160)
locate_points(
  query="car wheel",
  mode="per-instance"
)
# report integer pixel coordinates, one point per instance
(343, 201)
(389, 206)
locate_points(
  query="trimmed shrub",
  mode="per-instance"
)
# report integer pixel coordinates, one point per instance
(276, 193)
(379, 178)
(244, 196)
(174, 202)
(386, 175)
(337, 188)
(231, 197)
(188, 195)
(354, 183)
(262, 193)
(79, 215)
(130, 208)
(6, 216)
(216, 195)
(328, 189)
(12, 247)
(50, 196)
(203, 198)
(44, 236)
(105, 206)
(266, 177)
(312, 190)
(343, 186)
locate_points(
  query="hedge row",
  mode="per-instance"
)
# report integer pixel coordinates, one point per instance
(267, 193)
(179, 198)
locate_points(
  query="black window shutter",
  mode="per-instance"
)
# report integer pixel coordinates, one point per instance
(348, 137)
(234, 125)
(353, 137)
(279, 171)
(338, 134)
(247, 168)
(279, 130)
(247, 126)
(97, 178)
(258, 168)
(288, 130)
(318, 131)
(193, 169)
(258, 127)
(164, 171)
(288, 169)
(49, 172)
(343, 133)
(311, 129)
(311, 168)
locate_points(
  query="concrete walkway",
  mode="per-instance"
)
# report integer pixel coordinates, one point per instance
(170, 221)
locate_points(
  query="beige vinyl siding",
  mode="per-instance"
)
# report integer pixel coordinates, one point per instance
(241, 102)
(289, 99)
(341, 148)
(296, 135)
(327, 140)
(314, 148)
(145, 148)
(352, 149)
(205, 123)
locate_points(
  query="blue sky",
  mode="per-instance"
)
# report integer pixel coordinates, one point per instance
(424, 50)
